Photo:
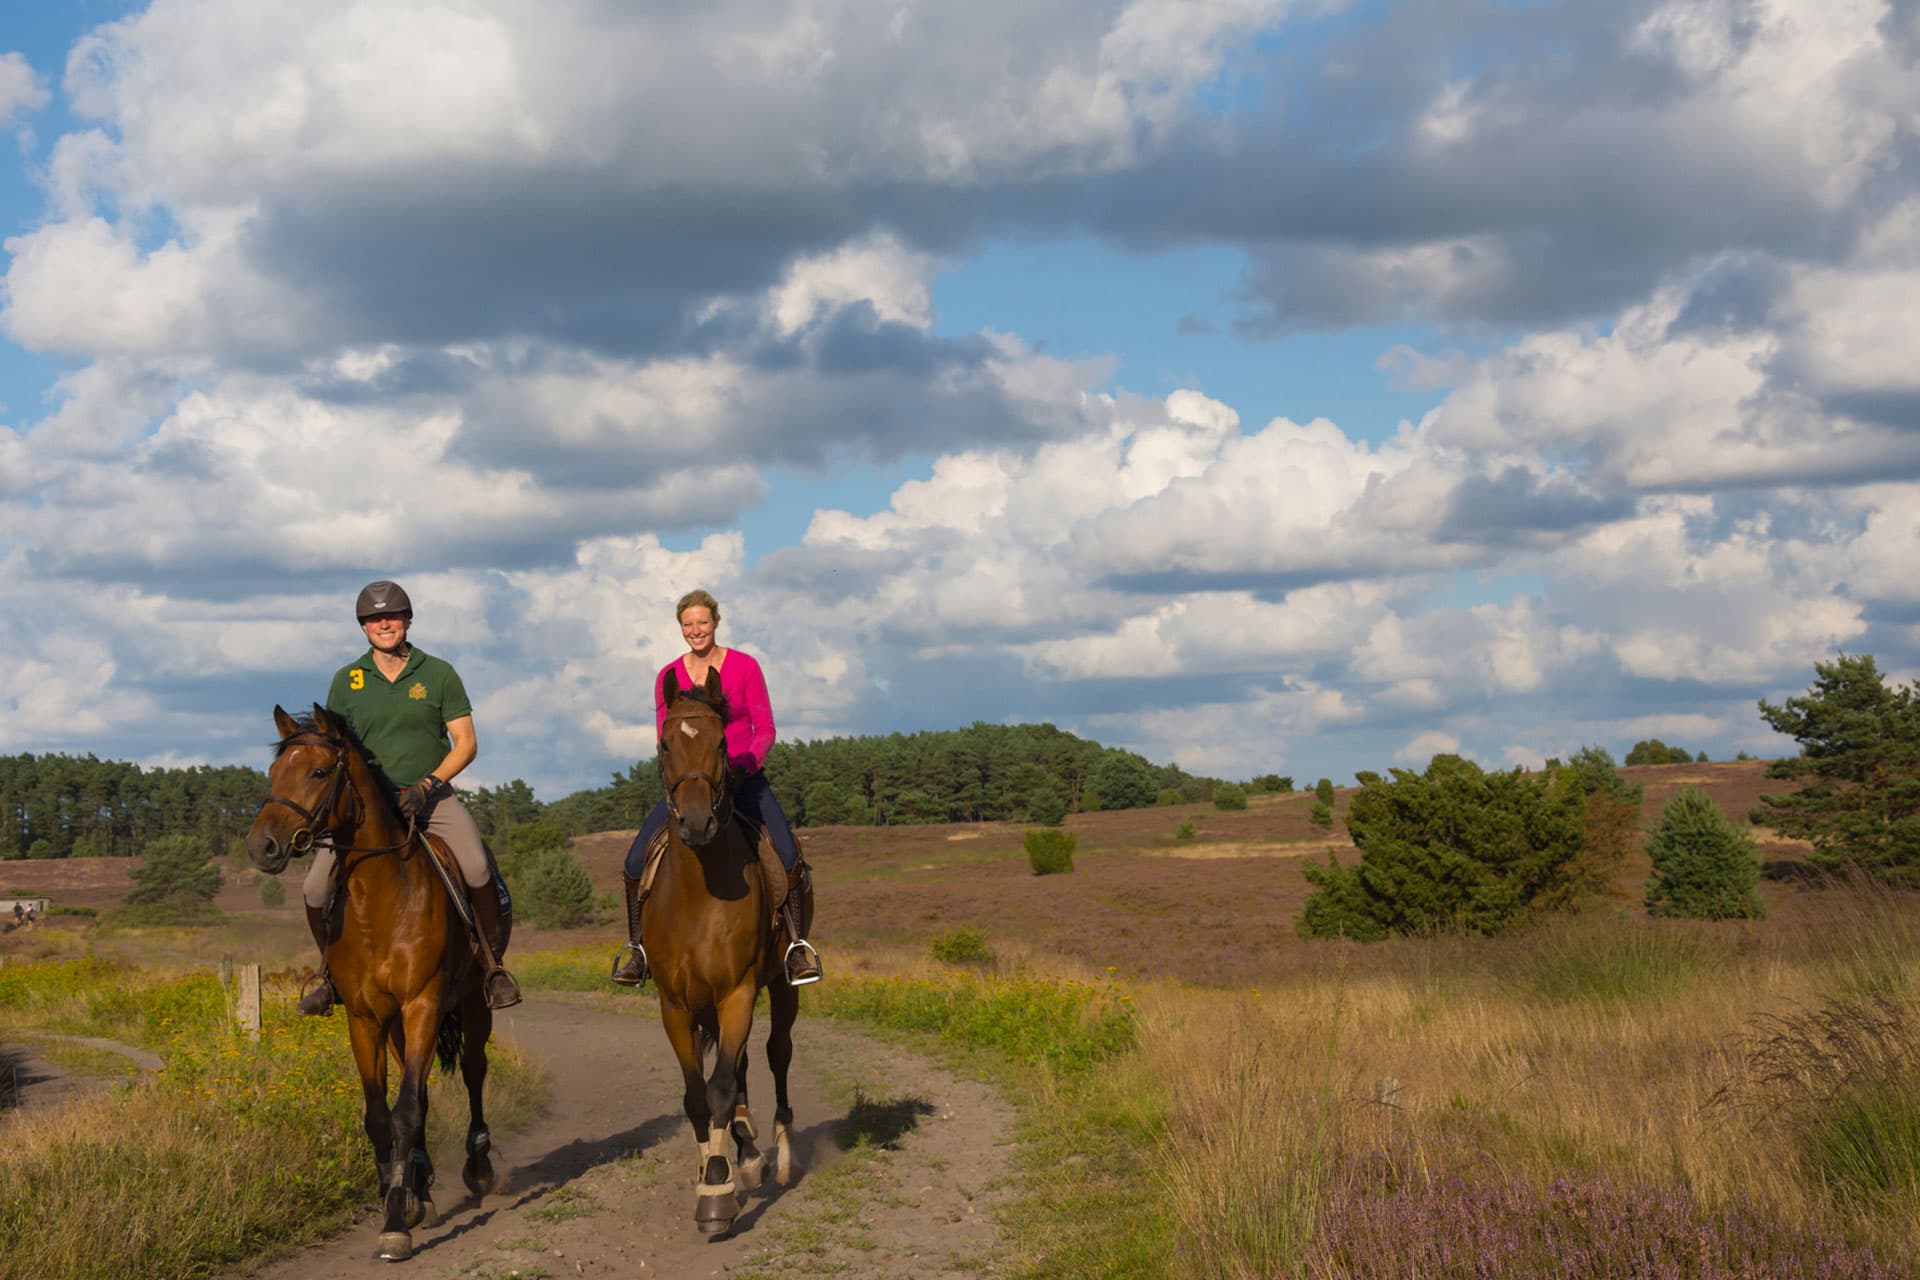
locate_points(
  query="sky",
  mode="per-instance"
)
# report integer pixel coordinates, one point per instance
(1268, 386)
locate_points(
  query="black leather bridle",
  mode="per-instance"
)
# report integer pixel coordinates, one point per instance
(320, 820)
(723, 799)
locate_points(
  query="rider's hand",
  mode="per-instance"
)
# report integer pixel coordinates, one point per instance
(736, 778)
(417, 800)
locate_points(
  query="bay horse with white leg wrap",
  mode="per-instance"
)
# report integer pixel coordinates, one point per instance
(708, 921)
(400, 954)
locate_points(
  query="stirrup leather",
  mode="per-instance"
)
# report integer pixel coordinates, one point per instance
(808, 954)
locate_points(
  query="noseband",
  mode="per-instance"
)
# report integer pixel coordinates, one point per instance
(723, 800)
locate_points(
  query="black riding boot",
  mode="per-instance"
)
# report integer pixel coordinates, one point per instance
(802, 961)
(630, 966)
(318, 1001)
(502, 991)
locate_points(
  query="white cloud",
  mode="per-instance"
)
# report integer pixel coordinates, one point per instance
(1423, 747)
(21, 91)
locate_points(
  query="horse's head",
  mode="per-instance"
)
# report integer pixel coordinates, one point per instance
(693, 759)
(310, 793)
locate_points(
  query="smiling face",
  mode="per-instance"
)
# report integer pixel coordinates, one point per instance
(697, 625)
(386, 632)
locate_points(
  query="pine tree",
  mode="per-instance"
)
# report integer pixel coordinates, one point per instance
(1860, 750)
(1704, 867)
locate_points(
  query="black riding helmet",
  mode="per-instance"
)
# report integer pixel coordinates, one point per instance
(382, 597)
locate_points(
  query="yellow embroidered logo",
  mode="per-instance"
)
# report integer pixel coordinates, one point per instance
(356, 679)
(418, 693)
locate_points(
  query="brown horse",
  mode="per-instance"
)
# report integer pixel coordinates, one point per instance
(708, 924)
(401, 958)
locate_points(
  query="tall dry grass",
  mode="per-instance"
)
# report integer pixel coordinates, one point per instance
(1743, 1087)
(235, 1147)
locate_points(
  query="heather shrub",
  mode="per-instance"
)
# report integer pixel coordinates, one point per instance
(273, 892)
(1704, 867)
(1229, 795)
(1050, 852)
(1321, 815)
(1185, 831)
(961, 946)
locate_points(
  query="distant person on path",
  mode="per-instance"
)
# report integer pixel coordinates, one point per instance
(19, 914)
(410, 711)
(749, 721)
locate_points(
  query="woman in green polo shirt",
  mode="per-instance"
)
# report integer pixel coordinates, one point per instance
(410, 712)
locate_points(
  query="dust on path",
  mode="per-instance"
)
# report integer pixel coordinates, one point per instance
(604, 1183)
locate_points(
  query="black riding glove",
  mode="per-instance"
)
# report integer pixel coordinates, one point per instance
(736, 778)
(417, 801)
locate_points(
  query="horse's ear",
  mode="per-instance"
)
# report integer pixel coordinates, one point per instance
(321, 720)
(284, 722)
(713, 683)
(672, 686)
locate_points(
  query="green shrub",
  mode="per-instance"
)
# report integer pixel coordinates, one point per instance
(1170, 795)
(554, 890)
(1324, 790)
(1273, 784)
(1049, 851)
(1453, 849)
(173, 885)
(1322, 815)
(1047, 805)
(1185, 831)
(961, 946)
(273, 893)
(525, 844)
(1229, 795)
(1124, 781)
(1704, 867)
(1654, 751)
(88, 912)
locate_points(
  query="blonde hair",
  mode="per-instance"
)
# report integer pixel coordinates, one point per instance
(703, 599)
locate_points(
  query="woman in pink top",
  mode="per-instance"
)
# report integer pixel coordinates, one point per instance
(749, 721)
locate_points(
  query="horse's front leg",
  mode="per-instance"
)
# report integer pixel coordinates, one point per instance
(369, 1040)
(715, 1205)
(407, 1203)
(719, 1202)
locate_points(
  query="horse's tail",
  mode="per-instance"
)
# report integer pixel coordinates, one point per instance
(452, 1039)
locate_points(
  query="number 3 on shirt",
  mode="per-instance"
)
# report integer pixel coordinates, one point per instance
(356, 679)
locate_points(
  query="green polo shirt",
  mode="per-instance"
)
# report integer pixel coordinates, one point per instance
(402, 723)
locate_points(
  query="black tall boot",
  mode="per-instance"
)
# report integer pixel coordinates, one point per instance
(502, 991)
(319, 1001)
(630, 966)
(802, 961)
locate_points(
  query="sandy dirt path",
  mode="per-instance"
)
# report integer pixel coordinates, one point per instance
(902, 1163)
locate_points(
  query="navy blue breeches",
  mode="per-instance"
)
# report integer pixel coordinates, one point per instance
(753, 800)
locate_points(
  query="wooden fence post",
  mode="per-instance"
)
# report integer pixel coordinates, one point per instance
(226, 969)
(247, 1002)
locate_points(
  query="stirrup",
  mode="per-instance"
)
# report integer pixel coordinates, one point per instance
(322, 988)
(809, 958)
(502, 991)
(646, 970)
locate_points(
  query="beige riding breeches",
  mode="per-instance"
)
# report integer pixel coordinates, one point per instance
(449, 820)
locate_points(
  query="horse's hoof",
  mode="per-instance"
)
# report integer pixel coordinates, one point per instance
(395, 1246)
(479, 1180)
(425, 1215)
(715, 1210)
(713, 1228)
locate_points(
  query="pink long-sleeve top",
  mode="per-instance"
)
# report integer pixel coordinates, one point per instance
(749, 711)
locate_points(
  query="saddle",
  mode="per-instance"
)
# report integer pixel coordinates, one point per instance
(795, 891)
